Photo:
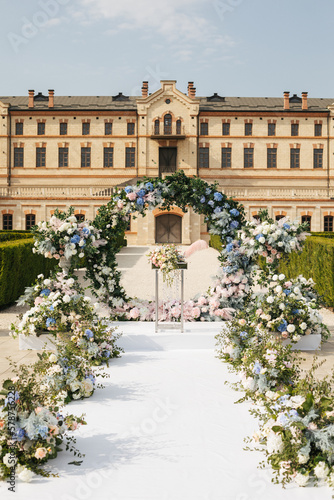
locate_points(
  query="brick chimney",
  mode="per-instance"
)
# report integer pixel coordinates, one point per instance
(304, 100)
(191, 90)
(51, 98)
(31, 98)
(286, 100)
(144, 90)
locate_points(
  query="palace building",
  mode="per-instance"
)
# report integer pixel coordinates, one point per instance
(275, 153)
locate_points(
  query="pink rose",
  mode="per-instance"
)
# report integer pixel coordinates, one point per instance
(288, 284)
(202, 301)
(131, 196)
(38, 300)
(196, 312)
(134, 313)
(270, 260)
(274, 252)
(264, 254)
(120, 204)
(285, 335)
(40, 453)
(242, 321)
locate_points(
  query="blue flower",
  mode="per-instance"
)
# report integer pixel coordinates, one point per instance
(140, 201)
(141, 193)
(107, 354)
(211, 203)
(283, 419)
(226, 205)
(50, 321)
(229, 247)
(234, 212)
(229, 239)
(202, 199)
(17, 396)
(217, 210)
(287, 292)
(19, 435)
(51, 308)
(45, 292)
(295, 311)
(259, 236)
(207, 191)
(89, 333)
(128, 189)
(91, 377)
(282, 327)
(218, 196)
(43, 430)
(257, 368)
(86, 231)
(234, 224)
(286, 226)
(149, 186)
(75, 238)
(243, 335)
(293, 414)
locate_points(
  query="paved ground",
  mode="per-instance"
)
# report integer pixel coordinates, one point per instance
(138, 280)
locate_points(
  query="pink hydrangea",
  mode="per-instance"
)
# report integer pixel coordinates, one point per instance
(131, 196)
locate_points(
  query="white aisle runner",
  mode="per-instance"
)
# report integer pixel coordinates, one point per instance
(164, 428)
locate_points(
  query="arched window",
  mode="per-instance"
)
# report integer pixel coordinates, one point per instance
(178, 126)
(156, 127)
(168, 124)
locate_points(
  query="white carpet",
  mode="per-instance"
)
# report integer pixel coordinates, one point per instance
(164, 428)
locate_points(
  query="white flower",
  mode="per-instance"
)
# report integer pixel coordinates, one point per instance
(81, 243)
(321, 470)
(262, 240)
(303, 326)
(301, 479)
(302, 459)
(296, 290)
(52, 358)
(70, 281)
(81, 255)
(272, 395)
(87, 299)
(26, 475)
(275, 277)
(270, 299)
(292, 244)
(278, 289)
(46, 282)
(296, 401)
(281, 277)
(66, 299)
(40, 276)
(9, 460)
(274, 443)
(291, 328)
(87, 386)
(251, 242)
(282, 306)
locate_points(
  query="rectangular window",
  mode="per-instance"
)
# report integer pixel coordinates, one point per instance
(62, 128)
(328, 223)
(204, 128)
(19, 128)
(18, 157)
(295, 158)
(7, 222)
(226, 128)
(248, 157)
(40, 157)
(317, 129)
(318, 158)
(63, 157)
(248, 128)
(85, 157)
(271, 128)
(294, 129)
(226, 157)
(108, 157)
(108, 128)
(203, 158)
(131, 129)
(30, 221)
(85, 128)
(307, 218)
(80, 217)
(130, 154)
(41, 128)
(271, 157)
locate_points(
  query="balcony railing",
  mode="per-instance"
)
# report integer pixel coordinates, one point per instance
(56, 192)
(171, 131)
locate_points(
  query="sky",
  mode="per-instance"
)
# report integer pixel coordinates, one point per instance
(102, 47)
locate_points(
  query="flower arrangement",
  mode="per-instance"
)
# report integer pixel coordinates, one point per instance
(297, 432)
(64, 238)
(291, 309)
(58, 304)
(167, 258)
(31, 426)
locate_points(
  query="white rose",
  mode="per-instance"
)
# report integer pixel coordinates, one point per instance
(303, 326)
(321, 470)
(9, 460)
(47, 282)
(281, 277)
(74, 252)
(262, 240)
(278, 232)
(270, 300)
(87, 299)
(88, 386)
(274, 443)
(251, 243)
(280, 244)
(81, 243)
(301, 479)
(302, 459)
(291, 328)
(52, 358)
(278, 289)
(81, 255)
(282, 306)
(296, 401)
(66, 299)
(275, 277)
(26, 475)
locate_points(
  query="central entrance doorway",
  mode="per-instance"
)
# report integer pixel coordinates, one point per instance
(167, 160)
(168, 229)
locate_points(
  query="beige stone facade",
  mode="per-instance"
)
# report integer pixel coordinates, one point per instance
(265, 152)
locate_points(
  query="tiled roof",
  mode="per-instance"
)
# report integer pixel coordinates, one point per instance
(121, 102)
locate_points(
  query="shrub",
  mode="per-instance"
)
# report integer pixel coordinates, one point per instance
(315, 261)
(14, 235)
(19, 268)
(215, 242)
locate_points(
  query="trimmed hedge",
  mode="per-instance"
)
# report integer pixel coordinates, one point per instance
(15, 235)
(327, 234)
(215, 242)
(19, 268)
(315, 261)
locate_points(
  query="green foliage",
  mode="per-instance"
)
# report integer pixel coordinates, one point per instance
(216, 242)
(316, 261)
(19, 267)
(15, 235)
(325, 234)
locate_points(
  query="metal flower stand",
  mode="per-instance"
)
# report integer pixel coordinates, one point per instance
(160, 325)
